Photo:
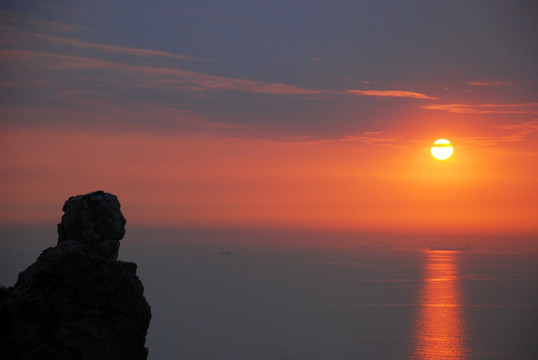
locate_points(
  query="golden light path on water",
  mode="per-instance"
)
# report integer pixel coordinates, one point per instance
(440, 328)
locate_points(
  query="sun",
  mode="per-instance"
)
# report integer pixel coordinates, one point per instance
(442, 149)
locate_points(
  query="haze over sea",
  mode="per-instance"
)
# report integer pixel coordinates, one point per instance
(279, 154)
(220, 301)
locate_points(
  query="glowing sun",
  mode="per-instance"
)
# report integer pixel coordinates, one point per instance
(442, 149)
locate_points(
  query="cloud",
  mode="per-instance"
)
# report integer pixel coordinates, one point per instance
(515, 109)
(114, 49)
(14, 36)
(488, 83)
(148, 76)
(524, 127)
(380, 138)
(509, 139)
(161, 78)
(41, 25)
(20, 31)
(375, 138)
(63, 90)
(519, 131)
(90, 112)
(390, 93)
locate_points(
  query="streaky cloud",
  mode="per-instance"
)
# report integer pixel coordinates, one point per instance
(515, 109)
(8, 17)
(488, 83)
(527, 126)
(378, 138)
(12, 32)
(391, 93)
(114, 49)
(519, 131)
(159, 77)
(507, 140)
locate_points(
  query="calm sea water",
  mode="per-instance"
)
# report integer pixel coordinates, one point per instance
(211, 303)
(223, 303)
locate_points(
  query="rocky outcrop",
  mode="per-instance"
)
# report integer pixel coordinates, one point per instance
(77, 301)
(94, 223)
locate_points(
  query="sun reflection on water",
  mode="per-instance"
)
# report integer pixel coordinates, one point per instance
(439, 331)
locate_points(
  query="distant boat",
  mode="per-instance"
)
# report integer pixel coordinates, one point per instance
(450, 248)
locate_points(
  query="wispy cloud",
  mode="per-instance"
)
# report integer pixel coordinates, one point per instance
(147, 76)
(375, 138)
(8, 17)
(153, 77)
(519, 131)
(524, 127)
(91, 112)
(508, 139)
(379, 138)
(12, 35)
(488, 83)
(114, 49)
(391, 93)
(173, 77)
(519, 109)
(21, 30)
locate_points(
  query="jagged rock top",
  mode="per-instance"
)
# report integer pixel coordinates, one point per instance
(77, 301)
(94, 223)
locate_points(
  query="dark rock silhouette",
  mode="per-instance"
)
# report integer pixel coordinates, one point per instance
(94, 223)
(77, 301)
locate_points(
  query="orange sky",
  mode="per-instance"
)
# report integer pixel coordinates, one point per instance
(349, 184)
(212, 116)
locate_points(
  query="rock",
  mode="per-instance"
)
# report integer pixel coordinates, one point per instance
(77, 301)
(94, 221)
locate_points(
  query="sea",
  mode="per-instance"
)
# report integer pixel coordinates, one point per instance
(228, 302)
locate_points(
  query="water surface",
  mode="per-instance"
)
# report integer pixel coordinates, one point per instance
(218, 302)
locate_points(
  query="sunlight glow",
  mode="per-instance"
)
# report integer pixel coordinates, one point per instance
(440, 331)
(442, 149)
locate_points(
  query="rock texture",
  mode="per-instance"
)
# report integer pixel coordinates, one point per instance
(93, 222)
(77, 301)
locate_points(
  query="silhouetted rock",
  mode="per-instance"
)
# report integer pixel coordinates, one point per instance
(95, 222)
(77, 301)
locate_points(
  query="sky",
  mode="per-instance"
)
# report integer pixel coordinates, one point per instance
(312, 115)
